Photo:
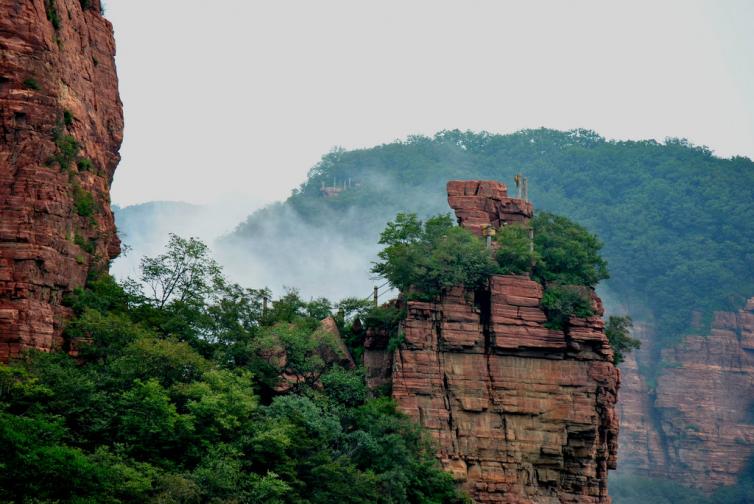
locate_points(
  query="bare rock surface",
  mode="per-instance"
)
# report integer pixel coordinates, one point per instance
(58, 92)
(696, 427)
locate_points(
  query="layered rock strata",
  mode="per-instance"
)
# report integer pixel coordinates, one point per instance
(482, 203)
(520, 413)
(61, 127)
(697, 427)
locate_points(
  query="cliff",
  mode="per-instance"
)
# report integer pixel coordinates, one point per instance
(696, 427)
(61, 126)
(520, 413)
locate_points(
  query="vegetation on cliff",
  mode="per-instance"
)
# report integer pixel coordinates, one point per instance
(618, 332)
(675, 219)
(425, 259)
(435, 255)
(176, 396)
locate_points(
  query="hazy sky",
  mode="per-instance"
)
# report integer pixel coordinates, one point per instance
(240, 98)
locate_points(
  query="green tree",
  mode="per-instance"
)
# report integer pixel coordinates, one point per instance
(185, 272)
(561, 302)
(568, 254)
(515, 255)
(430, 257)
(149, 423)
(161, 406)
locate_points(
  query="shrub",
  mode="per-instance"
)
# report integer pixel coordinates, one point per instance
(86, 245)
(31, 83)
(561, 302)
(85, 164)
(83, 201)
(618, 332)
(67, 117)
(52, 13)
(68, 150)
(395, 341)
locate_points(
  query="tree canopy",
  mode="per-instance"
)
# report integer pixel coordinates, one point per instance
(432, 256)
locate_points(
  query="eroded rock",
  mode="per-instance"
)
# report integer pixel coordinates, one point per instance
(57, 86)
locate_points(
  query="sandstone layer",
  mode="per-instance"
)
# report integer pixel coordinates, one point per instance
(697, 426)
(61, 126)
(520, 413)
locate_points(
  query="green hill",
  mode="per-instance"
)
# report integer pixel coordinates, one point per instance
(677, 221)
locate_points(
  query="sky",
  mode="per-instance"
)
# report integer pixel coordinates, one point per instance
(235, 100)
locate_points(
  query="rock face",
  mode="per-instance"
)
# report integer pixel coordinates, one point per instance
(481, 203)
(521, 413)
(697, 428)
(642, 447)
(61, 126)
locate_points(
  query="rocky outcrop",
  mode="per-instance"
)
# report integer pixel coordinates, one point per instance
(61, 127)
(697, 427)
(481, 203)
(520, 413)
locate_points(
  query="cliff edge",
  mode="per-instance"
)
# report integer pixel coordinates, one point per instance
(61, 126)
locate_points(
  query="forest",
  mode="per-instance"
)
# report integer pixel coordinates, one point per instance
(172, 393)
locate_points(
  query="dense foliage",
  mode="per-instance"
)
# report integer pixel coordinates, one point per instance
(561, 302)
(433, 256)
(175, 398)
(425, 259)
(676, 220)
(567, 254)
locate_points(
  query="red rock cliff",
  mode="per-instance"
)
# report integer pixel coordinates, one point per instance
(61, 126)
(696, 427)
(521, 413)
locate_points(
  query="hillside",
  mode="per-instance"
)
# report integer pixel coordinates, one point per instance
(676, 220)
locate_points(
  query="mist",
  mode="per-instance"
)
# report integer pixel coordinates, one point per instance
(144, 229)
(286, 252)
